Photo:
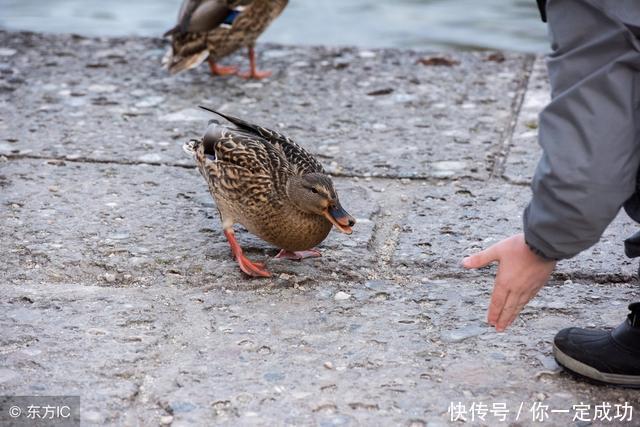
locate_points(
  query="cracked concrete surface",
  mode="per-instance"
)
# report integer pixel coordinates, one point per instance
(117, 284)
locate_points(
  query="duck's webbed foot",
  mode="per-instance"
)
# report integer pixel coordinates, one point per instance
(299, 255)
(253, 73)
(219, 70)
(254, 269)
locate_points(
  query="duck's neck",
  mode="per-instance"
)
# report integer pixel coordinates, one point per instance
(295, 191)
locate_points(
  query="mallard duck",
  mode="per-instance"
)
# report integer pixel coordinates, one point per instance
(213, 29)
(266, 182)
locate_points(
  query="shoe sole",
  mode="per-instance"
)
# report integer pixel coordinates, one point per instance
(590, 372)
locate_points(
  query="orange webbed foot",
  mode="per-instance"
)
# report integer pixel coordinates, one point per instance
(253, 72)
(253, 269)
(255, 75)
(219, 70)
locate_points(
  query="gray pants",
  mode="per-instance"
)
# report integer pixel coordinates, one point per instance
(590, 132)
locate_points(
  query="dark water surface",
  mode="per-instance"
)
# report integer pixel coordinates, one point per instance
(425, 24)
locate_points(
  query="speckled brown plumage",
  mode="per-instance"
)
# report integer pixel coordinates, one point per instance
(250, 171)
(247, 175)
(206, 30)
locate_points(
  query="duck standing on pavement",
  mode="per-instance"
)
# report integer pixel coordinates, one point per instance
(272, 186)
(213, 29)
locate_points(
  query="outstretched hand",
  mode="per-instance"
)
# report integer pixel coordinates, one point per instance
(521, 274)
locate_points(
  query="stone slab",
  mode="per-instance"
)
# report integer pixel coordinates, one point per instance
(444, 223)
(389, 355)
(117, 285)
(131, 225)
(524, 151)
(380, 113)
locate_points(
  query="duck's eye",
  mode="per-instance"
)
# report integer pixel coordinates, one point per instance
(314, 191)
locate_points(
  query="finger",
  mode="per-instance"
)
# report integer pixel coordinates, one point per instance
(498, 300)
(512, 307)
(513, 316)
(524, 300)
(482, 258)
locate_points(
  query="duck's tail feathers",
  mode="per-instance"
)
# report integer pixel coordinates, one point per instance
(176, 64)
(174, 30)
(235, 120)
(268, 134)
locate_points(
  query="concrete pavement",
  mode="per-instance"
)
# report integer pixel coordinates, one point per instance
(116, 283)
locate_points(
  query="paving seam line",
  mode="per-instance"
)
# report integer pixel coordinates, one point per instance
(427, 179)
(502, 154)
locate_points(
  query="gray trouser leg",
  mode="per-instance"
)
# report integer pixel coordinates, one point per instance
(589, 132)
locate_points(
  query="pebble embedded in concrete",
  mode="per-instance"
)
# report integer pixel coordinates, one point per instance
(341, 296)
(463, 333)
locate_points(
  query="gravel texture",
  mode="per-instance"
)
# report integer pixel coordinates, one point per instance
(117, 285)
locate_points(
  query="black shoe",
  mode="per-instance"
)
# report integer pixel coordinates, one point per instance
(611, 357)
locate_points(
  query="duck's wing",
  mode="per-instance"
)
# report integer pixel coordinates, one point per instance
(200, 16)
(197, 18)
(244, 166)
(300, 160)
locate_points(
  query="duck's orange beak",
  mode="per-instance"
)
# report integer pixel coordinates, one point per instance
(340, 218)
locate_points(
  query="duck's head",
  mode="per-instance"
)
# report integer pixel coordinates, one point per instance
(314, 193)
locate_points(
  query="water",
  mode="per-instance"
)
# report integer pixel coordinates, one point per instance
(424, 24)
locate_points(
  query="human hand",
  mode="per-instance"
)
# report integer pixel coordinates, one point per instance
(521, 274)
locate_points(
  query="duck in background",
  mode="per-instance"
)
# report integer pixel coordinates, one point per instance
(213, 29)
(272, 186)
